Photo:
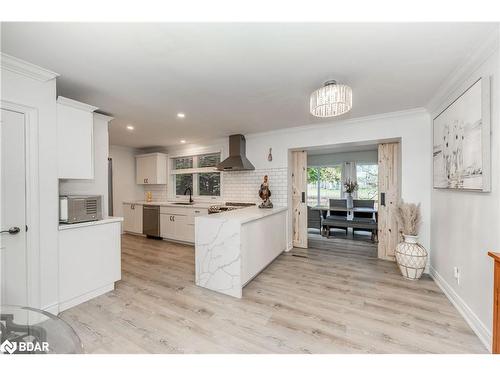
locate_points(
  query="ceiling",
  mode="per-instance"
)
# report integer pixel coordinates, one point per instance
(238, 78)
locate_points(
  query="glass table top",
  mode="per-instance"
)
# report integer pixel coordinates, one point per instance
(24, 330)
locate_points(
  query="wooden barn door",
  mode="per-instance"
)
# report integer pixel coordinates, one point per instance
(389, 170)
(299, 205)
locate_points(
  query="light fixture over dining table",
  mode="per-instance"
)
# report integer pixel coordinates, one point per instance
(333, 99)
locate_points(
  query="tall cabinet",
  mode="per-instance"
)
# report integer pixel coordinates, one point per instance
(75, 139)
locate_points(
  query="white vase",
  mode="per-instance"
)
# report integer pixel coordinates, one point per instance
(349, 201)
(411, 257)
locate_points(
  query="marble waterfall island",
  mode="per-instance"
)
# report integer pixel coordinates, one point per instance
(233, 247)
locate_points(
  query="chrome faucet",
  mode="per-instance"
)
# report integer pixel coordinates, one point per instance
(190, 194)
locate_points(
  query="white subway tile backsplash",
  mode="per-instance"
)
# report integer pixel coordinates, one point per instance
(244, 186)
(159, 192)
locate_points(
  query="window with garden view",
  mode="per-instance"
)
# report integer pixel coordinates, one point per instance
(367, 177)
(323, 183)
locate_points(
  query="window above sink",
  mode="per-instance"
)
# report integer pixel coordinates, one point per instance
(197, 172)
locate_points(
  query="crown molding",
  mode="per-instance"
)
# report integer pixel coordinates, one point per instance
(76, 104)
(379, 116)
(103, 116)
(26, 69)
(472, 62)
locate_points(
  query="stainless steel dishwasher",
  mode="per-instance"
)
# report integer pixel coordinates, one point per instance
(151, 221)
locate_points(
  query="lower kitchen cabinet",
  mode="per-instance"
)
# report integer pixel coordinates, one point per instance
(132, 218)
(174, 227)
(89, 260)
(177, 223)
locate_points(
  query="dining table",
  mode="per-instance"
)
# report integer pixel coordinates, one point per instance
(350, 211)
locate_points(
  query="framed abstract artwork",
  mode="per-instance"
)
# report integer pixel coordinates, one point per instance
(461, 145)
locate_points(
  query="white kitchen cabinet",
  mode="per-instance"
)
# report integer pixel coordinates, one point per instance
(75, 142)
(177, 223)
(151, 169)
(132, 218)
(174, 227)
(89, 260)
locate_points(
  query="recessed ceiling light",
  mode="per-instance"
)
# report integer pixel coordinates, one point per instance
(130, 127)
(181, 115)
(183, 141)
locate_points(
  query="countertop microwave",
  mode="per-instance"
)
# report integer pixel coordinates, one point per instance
(79, 208)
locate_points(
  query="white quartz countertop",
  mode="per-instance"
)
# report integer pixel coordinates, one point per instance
(243, 215)
(173, 204)
(111, 219)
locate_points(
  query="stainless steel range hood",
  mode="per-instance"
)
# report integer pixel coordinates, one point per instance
(237, 160)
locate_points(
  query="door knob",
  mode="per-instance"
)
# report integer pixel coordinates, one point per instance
(13, 230)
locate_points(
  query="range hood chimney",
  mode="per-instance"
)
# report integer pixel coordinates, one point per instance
(237, 160)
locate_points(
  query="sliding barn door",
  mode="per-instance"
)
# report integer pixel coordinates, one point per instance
(299, 205)
(389, 194)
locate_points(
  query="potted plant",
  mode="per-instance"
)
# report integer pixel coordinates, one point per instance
(410, 255)
(350, 187)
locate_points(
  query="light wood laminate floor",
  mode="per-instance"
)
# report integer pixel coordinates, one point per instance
(306, 301)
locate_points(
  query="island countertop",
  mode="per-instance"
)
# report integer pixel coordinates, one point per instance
(233, 247)
(245, 215)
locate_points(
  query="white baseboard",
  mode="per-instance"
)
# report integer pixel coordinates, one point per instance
(85, 297)
(482, 332)
(53, 309)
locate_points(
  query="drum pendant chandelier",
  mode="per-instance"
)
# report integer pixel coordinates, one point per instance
(333, 99)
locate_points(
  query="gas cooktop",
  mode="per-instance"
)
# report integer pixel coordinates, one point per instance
(228, 206)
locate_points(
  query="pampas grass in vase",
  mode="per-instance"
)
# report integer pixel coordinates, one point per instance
(409, 217)
(410, 255)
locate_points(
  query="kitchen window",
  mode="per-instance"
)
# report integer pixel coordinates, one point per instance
(197, 172)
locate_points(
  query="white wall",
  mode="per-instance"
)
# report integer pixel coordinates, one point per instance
(341, 157)
(124, 186)
(465, 224)
(99, 185)
(41, 95)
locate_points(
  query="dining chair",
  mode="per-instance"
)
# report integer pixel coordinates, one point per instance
(338, 216)
(313, 218)
(363, 217)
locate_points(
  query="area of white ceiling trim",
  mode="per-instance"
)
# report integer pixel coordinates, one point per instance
(25, 68)
(489, 46)
(237, 77)
(331, 122)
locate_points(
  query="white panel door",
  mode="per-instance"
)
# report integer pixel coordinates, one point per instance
(13, 249)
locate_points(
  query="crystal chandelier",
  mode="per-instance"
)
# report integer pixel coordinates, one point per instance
(333, 99)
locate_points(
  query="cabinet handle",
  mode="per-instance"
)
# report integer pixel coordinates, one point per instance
(173, 218)
(197, 212)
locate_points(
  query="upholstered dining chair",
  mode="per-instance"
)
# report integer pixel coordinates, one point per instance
(338, 216)
(363, 216)
(313, 218)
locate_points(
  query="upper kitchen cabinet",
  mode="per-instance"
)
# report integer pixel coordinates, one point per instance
(75, 124)
(151, 169)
